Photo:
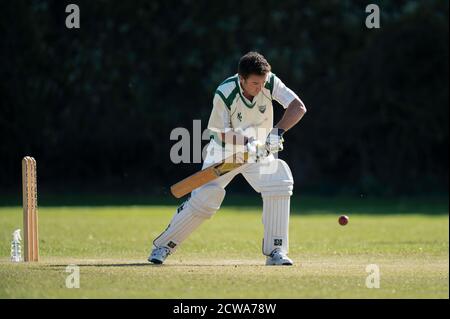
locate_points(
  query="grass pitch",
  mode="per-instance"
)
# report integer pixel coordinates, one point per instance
(407, 240)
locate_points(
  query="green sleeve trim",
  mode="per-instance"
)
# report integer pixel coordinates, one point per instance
(228, 101)
(270, 83)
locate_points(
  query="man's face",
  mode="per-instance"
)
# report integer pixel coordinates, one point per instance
(253, 84)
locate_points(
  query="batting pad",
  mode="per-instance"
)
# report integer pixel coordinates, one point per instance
(276, 223)
(204, 202)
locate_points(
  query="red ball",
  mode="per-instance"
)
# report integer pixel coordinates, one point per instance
(343, 220)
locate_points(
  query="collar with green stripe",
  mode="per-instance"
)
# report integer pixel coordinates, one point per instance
(241, 93)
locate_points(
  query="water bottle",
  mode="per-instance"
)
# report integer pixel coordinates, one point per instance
(16, 252)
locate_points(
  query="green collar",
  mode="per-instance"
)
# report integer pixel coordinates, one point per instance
(244, 99)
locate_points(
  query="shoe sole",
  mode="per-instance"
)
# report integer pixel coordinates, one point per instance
(286, 263)
(155, 261)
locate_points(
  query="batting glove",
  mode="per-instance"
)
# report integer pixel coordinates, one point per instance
(256, 150)
(274, 141)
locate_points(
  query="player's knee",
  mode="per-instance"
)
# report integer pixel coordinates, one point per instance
(280, 182)
(207, 200)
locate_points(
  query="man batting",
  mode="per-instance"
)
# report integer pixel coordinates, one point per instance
(242, 121)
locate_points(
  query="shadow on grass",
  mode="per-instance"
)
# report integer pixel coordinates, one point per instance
(147, 264)
(143, 264)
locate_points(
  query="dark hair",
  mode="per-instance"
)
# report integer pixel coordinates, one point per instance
(253, 63)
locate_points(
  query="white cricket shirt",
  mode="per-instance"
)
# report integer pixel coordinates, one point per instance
(233, 111)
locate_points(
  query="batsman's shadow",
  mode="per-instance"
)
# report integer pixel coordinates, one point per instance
(102, 265)
(147, 264)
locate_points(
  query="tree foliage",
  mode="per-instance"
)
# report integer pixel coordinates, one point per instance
(96, 105)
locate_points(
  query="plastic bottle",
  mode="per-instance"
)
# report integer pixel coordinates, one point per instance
(16, 251)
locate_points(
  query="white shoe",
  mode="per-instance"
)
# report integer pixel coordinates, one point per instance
(278, 258)
(158, 255)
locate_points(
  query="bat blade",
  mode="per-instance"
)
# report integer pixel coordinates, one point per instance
(207, 175)
(194, 181)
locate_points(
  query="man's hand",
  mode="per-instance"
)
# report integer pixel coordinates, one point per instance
(274, 141)
(256, 150)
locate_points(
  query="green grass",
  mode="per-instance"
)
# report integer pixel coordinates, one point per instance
(223, 258)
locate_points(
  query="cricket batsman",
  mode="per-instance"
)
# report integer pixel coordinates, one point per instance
(241, 121)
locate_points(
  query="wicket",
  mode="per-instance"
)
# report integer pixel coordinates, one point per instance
(30, 214)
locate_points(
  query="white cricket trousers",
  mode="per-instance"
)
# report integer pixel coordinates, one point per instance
(272, 178)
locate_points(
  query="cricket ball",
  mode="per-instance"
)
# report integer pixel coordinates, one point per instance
(343, 220)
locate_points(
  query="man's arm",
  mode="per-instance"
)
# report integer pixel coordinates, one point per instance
(292, 115)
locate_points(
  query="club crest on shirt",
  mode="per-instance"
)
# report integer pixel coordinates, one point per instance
(262, 108)
(239, 116)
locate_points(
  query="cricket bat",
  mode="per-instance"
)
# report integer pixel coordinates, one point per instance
(208, 174)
